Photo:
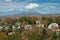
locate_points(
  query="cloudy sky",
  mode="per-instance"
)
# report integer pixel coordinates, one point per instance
(8, 7)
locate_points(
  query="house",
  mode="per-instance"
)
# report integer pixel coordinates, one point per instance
(27, 26)
(3, 28)
(40, 25)
(16, 27)
(17, 23)
(37, 22)
(53, 26)
(10, 33)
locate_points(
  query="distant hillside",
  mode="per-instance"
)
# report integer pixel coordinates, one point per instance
(24, 14)
(30, 14)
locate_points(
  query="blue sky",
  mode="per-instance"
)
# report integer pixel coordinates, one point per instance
(8, 7)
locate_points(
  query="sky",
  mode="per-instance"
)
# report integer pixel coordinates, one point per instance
(9, 7)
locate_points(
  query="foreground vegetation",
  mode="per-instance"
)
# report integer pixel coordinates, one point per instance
(32, 34)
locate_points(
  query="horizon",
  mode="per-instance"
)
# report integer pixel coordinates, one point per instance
(9, 7)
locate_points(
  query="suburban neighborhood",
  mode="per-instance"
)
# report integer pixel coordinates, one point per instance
(30, 24)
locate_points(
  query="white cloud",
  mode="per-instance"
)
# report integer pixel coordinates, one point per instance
(8, 0)
(31, 6)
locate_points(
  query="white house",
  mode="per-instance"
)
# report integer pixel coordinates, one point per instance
(16, 27)
(53, 26)
(37, 22)
(27, 26)
(10, 33)
(17, 23)
(40, 25)
(3, 28)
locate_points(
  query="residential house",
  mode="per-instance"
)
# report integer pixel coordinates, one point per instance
(10, 33)
(53, 26)
(17, 27)
(17, 23)
(38, 24)
(3, 28)
(28, 26)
